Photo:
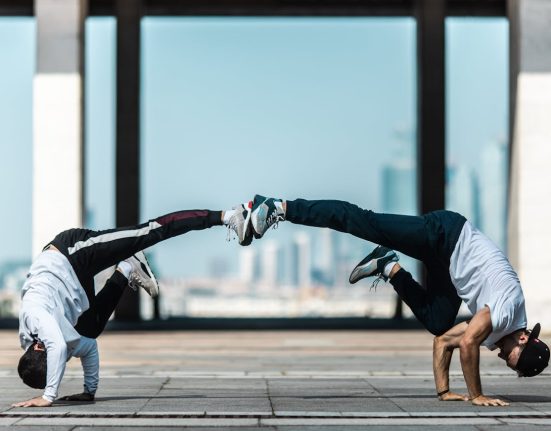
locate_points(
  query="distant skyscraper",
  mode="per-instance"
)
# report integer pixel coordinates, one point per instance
(301, 266)
(248, 264)
(399, 190)
(493, 191)
(270, 263)
(462, 193)
(325, 257)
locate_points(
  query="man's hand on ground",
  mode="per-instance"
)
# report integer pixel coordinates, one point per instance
(452, 396)
(35, 402)
(481, 400)
(78, 397)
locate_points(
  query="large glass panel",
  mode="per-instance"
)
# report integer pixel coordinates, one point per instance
(290, 107)
(477, 103)
(100, 95)
(477, 96)
(17, 51)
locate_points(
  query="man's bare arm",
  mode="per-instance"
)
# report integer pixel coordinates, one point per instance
(477, 330)
(442, 351)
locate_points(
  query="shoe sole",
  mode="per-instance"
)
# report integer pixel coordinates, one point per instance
(253, 209)
(368, 269)
(143, 260)
(246, 223)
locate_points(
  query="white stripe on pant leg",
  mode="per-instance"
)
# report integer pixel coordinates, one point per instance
(113, 236)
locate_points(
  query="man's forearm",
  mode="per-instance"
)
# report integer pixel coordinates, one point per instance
(441, 358)
(470, 364)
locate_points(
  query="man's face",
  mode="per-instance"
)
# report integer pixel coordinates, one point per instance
(511, 348)
(510, 356)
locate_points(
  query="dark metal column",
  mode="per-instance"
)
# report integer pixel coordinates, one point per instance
(431, 118)
(128, 13)
(431, 130)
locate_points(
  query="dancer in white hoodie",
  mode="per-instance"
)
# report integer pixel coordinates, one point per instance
(61, 316)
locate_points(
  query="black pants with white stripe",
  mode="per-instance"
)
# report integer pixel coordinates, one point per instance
(430, 238)
(90, 252)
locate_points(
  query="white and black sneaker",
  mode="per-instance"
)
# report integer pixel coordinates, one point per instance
(266, 212)
(142, 275)
(239, 221)
(373, 264)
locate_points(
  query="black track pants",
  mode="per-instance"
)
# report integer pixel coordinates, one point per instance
(430, 238)
(90, 252)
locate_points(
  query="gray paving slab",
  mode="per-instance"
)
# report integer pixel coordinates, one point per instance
(187, 428)
(394, 422)
(6, 421)
(376, 428)
(344, 404)
(213, 393)
(320, 388)
(216, 383)
(38, 428)
(514, 427)
(139, 422)
(241, 405)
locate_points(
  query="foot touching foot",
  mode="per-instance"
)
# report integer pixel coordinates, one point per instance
(266, 212)
(141, 275)
(373, 264)
(238, 219)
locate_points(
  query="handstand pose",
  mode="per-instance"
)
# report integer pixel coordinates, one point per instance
(461, 265)
(60, 314)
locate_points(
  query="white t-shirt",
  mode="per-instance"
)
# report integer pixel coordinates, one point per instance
(483, 276)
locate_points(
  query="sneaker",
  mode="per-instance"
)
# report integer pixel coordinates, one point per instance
(373, 264)
(265, 214)
(141, 275)
(240, 223)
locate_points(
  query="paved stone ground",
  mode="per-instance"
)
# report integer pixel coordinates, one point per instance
(282, 381)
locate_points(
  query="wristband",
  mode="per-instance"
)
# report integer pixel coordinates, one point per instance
(443, 392)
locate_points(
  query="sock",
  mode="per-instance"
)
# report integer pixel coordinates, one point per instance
(125, 268)
(227, 215)
(388, 268)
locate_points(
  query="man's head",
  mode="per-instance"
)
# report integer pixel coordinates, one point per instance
(32, 366)
(524, 352)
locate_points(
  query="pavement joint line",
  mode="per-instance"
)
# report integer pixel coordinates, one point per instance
(286, 415)
(285, 376)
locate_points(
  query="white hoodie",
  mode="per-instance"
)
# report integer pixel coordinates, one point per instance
(52, 300)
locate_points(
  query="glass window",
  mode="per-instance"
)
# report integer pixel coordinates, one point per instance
(18, 53)
(477, 128)
(100, 95)
(289, 107)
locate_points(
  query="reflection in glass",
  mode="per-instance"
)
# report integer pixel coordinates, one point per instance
(99, 146)
(477, 98)
(18, 53)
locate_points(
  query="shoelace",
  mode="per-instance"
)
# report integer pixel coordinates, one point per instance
(272, 221)
(376, 282)
(232, 227)
(134, 282)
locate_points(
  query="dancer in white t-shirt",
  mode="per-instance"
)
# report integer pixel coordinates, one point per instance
(461, 265)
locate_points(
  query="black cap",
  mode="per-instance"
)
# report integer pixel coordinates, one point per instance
(535, 355)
